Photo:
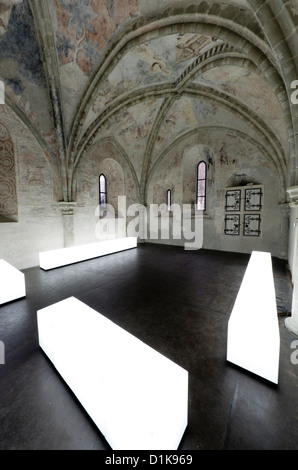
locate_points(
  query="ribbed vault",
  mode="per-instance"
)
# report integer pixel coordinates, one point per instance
(91, 81)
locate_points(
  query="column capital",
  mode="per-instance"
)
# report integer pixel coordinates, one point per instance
(291, 323)
(67, 208)
(293, 196)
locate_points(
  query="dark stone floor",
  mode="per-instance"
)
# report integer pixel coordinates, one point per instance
(176, 301)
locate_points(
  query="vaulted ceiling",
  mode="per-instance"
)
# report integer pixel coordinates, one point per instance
(143, 73)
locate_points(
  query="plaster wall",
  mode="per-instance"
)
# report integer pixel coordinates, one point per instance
(38, 225)
(38, 229)
(90, 225)
(231, 160)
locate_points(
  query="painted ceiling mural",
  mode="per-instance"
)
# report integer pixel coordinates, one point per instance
(249, 88)
(143, 73)
(159, 60)
(133, 126)
(81, 29)
(21, 66)
(84, 26)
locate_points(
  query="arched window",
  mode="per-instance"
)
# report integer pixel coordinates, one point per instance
(169, 199)
(102, 191)
(201, 186)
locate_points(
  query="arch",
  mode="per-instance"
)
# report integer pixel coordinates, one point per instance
(209, 93)
(280, 33)
(244, 45)
(202, 130)
(142, 30)
(40, 140)
(119, 155)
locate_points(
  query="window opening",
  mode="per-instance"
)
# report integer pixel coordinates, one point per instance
(201, 186)
(103, 191)
(169, 199)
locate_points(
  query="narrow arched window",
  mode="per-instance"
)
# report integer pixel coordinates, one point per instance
(201, 186)
(102, 191)
(169, 199)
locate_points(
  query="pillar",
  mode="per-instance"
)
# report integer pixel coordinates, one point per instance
(285, 211)
(291, 322)
(68, 211)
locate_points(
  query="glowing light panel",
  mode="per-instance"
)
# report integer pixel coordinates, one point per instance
(64, 256)
(253, 332)
(136, 396)
(12, 283)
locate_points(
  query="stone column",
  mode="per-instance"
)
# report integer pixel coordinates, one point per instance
(292, 322)
(285, 211)
(68, 210)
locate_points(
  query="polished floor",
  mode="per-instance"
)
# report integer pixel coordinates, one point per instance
(179, 303)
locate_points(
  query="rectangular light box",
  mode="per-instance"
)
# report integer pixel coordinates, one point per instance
(12, 283)
(253, 340)
(74, 254)
(137, 397)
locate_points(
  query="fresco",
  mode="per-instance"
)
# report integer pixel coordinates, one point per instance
(84, 26)
(227, 156)
(190, 46)
(21, 66)
(18, 43)
(187, 114)
(131, 130)
(250, 89)
(5, 13)
(82, 29)
(163, 59)
(294, 7)
(105, 158)
(179, 119)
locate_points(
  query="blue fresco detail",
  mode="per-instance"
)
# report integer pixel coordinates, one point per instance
(64, 46)
(19, 43)
(16, 85)
(81, 15)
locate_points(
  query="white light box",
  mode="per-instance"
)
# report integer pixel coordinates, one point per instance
(74, 254)
(253, 340)
(12, 283)
(137, 397)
